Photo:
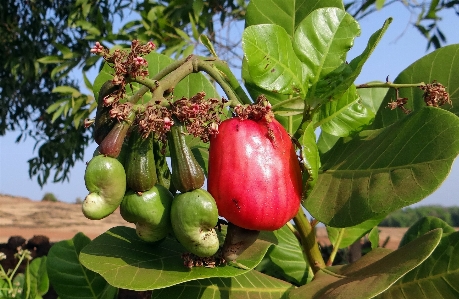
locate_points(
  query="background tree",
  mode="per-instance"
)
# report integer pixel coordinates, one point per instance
(45, 40)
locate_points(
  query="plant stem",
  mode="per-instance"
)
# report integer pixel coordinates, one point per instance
(336, 247)
(308, 241)
(232, 81)
(389, 85)
(7, 278)
(215, 74)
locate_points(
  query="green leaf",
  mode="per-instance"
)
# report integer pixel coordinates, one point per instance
(436, 277)
(69, 278)
(50, 59)
(334, 84)
(208, 44)
(353, 233)
(345, 116)
(88, 26)
(326, 142)
(272, 65)
(372, 97)
(424, 225)
(36, 279)
(311, 159)
(286, 260)
(287, 14)
(383, 170)
(322, 41)
(373, 237)
(252, 284)
(127, 262)
(440, 65)
(370, 275)
(67, 90)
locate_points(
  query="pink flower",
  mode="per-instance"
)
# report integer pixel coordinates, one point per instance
(140, 61)
(98, 48)
(168, 123)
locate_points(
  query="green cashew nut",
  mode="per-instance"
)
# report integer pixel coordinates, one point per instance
(150, 211)
(194, 215)
(105, 179)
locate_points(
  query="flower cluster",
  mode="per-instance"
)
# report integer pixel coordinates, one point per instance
(127, 64)
(155, 119)
(260, 110)
(435, 94)
(201, 117)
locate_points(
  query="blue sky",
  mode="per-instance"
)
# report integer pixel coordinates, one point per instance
(401, 46)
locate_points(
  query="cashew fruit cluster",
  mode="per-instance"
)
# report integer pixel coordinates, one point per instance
(254, 181)
(130, 171)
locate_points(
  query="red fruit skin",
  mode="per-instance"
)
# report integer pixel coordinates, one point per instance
(256, 182)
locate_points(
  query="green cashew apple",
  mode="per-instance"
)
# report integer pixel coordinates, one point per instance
(105, 179)
(150, 211)
(194, 215)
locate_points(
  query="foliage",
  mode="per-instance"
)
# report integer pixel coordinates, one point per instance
(46, 41)
(407, 216)
(368, 162)
(33, 283)
(49, 197)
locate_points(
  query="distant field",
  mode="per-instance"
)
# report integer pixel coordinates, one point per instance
(59, 221)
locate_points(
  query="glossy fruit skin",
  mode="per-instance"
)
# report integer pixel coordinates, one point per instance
(113, 142)
(187, 174)
(150, 211)
(140, 163)
(105, 179)
(194, 216)
(255, 180)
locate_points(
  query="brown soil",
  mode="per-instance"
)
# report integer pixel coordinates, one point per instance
(60, 221)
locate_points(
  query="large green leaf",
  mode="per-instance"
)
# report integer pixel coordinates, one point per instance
(287, 109)
(69, 278)
(344, 116)
(424, 225)
(286, 260)
(36, 281)
(287, 14)
(326, 142)
(127, 262)
(372, 97)
(322, 41)
(272, 65)
(252, 284)
(348, 235)
(370, 275)
(436, 277)
(383, 170)
(335, 83)
(440, 65)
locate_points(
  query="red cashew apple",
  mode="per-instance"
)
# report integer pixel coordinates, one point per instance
(254, 174)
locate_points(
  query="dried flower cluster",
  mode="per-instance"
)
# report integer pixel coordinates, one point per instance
(201, 117)
(155, 119)
(127, 64)
(399, 103)
(435, 94)
(191, 260)
(260, 110)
